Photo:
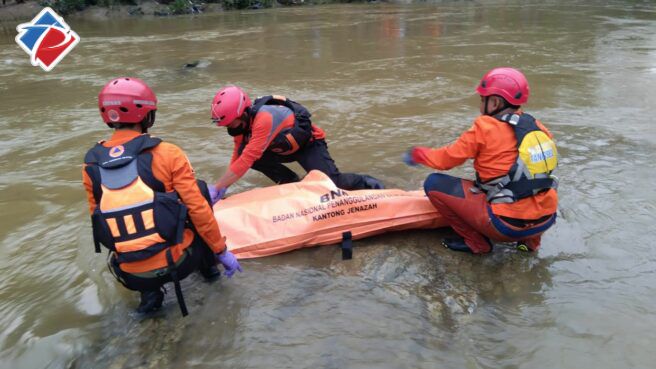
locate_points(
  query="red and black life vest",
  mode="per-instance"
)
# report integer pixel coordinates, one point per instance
(289, 140)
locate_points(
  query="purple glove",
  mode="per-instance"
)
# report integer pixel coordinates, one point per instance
(408, 160)
(229, 262)
(216, 194)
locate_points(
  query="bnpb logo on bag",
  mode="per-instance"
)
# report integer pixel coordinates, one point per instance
(47, 39)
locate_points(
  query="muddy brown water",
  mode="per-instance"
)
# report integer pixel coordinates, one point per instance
(379, 79)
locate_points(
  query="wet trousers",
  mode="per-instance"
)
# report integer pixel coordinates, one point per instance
(314, 156)
(471, 217)
(198, 256)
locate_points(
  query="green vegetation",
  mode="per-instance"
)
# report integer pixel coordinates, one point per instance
(175, 6)
(180, 6)
(69, 6)
(65, 7)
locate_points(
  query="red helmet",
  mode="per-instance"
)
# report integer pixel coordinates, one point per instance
(126, 100)
(229, 104)
(508, 83)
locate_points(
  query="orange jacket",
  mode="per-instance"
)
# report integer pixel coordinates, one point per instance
(264, 128)
(171, 167)
(492, 145)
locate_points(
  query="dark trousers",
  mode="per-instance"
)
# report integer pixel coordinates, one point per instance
(470, 215)
(198, 256)
(314, 156)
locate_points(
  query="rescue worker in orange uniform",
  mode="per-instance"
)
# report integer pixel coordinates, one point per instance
(514, 195)
(146, 205)
(271, 131)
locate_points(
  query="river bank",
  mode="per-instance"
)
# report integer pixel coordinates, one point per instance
(104, 9)
(19, 11)
(77, 9)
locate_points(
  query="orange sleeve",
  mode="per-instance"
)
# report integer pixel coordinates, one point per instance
(260, 132)
(235, 151)
(88, 187)
(447, 157)
(184, 183)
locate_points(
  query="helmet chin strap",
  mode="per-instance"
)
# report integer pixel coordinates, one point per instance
(148, 121)
(244, 126)
(498, 110)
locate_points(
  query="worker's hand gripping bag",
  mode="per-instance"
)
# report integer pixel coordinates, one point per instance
(277, 219)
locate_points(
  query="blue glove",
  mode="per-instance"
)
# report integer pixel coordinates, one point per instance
(229, 262)
(407, 158)
(216, 194)
(372, 183)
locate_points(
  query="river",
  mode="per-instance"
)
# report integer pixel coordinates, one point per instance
(378, 78)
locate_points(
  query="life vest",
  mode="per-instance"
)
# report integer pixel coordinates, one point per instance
(134, 216)
(289, 140)
(537, 157)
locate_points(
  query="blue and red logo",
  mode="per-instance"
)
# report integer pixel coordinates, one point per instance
(116, 151)
(47, 39)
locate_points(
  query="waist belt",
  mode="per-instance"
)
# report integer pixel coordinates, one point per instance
(521, 223)
(505, 230)
(155, 273)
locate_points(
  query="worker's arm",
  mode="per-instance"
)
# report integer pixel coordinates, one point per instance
(200, 213)
(450, 156)
(257, 144)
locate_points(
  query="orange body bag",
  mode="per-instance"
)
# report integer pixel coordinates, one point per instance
(277, 219)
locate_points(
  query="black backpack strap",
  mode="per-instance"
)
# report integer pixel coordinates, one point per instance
(145, 170)
(347, 246)
(525, 187)
(173, 271)
(148, 142)
(202, 187)
(93, 172)
(259, 103)
(91, 157)
(299, 110)
(145, 160)
(521, 124)
(96, 239)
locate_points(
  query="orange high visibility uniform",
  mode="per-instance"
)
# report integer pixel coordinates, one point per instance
(171, 167)
(493, 146)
